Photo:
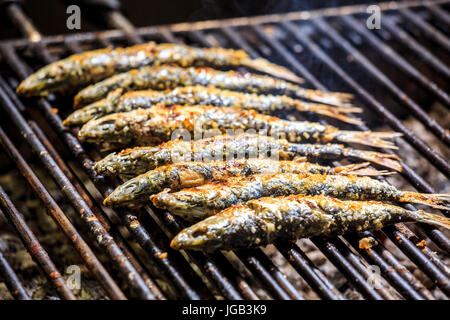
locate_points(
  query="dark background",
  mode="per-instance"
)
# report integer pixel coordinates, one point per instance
(50, 16)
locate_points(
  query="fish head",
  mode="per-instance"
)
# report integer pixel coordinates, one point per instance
(227, 230)
(108, 131)
(51, 78)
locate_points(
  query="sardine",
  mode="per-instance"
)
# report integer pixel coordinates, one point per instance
(79, 70)
(169, 77)
(198, 95)
(132, 162)
(266, 220)
(136, 191)
(158, 124)
(207, 199)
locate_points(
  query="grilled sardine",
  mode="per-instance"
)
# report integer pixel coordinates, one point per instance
(79, 70)
(132, 162)
(266, 220)
(169, 77)
(158, 123)
(207, 199)
(176, 176)
(198, 95)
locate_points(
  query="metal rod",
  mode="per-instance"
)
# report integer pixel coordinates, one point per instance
(102, 217)
(430, 123)
(85, 252)
(442, 164)
(299, 67)
(278, 46)
(320, 53)
(395, 57)
(422, 53)
(22, 22)
(12, 281)
(142, 236)
(410, 174)
(427, 28)
(34, 247)
(104, 239)
(312, 275)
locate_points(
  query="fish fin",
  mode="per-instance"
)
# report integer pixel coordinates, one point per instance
(367, 138)
(337, 99)
(330, 111)
(361, 169)
(438, 201)
(265, 66)
(433, 219)
(389, 161)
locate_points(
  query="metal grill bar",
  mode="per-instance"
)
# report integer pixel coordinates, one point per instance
(143, 237)
(104, 239)
(440, 132)
(64, 223)
(301, 37)
(34, 247)
(428, 29)
(117, 237)
(12, 281)
(281, 49)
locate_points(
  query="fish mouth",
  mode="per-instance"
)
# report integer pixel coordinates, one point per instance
(197, 238)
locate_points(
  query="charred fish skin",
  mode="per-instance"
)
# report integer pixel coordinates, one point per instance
(156, 125)
(267, 220)
(132, 162)
(136, 191)
(210, 198)
(169, 77)
(198, 95)
(79, 70)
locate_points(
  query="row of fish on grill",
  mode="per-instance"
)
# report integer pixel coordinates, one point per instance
(142, 99)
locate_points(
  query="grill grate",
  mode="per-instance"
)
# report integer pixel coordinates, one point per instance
(295, 40)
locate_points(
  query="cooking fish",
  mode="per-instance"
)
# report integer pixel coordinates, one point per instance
(266, 220)
(158, 124)
(198, 95)
(207, 199)
(177, 176)
(170, 76)
(132, 162)
(79, 70)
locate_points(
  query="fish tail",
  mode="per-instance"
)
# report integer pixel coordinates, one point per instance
(368, 138)
(433, 219)
(337, 99)
(385, 160)
(333, 112)
(438, 201)
(265, 66)
(361, 169)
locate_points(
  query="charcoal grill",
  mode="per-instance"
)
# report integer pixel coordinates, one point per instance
(333, 50)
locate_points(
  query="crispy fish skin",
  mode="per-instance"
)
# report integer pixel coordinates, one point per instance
(132, 162)
(79, 70)
(169, 77)
(198, 95)
(136, 191)
(158, 123)
(207, 199)
(266, 220)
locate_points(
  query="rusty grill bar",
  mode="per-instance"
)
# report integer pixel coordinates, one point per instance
(195, 275)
